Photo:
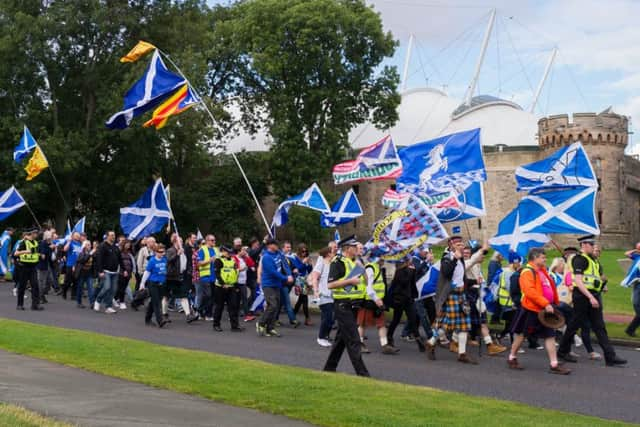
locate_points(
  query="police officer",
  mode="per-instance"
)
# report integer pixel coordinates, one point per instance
(348, 296)
(28, 257)
(226, 290)
(587, 303)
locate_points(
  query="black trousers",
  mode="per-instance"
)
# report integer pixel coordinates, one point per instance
(407, 307)
(346, 337)
(156, 293)
(29, 275)
(230, 297)
(123, 282)
(303, 301)
(69, 280)
(271, 307)
(583, 311)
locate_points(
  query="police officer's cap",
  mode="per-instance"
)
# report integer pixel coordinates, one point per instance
(348, 241)
(31, 230)
(226, 248)
(591, 239)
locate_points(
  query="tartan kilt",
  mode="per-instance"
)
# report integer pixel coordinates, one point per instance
(453, 317)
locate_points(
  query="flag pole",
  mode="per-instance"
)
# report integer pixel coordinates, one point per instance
(32, 214)
(235, 158)
(66, 206)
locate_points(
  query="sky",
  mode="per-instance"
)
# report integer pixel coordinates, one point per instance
(597, 65)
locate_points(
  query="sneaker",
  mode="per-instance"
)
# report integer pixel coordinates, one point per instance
(495, 349)
(539, 347)
(323, 343)
(595, 356)
(249, 318)
(389, 349)
(574, 354)
(464, 358)
(559, 370)
(208, 319)
(277, 323)
(616, 361)
(273, 333)
(294, 323)
(513, 364)
(96, 306)
(122, 306)
(260, 330)
(217, 328)
(521, 351)
(191, 317)
(15, 292)
(577, 341)
(115, 303)
(364, 349)
(110, 310)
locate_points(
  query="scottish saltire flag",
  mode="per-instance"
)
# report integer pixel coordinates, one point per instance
(25, 146)
(5, 244)
(448, 162)
(404, 229)
(428, 283)
(511, 238)
(67, 235)
(568, 211)
(375, 162)
(79, 227)
(10, 202)
(258, 302)
(156, 85)
(569, 166)
(343, 211)
(311, 198)
(148, 214)
(633, 274)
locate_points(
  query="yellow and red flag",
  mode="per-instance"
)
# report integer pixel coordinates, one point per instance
(138, 51)
(180, 101)
(37, 164)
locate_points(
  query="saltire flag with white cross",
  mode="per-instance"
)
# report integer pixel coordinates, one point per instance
(510, 238)
(147, 215)
(343, 211)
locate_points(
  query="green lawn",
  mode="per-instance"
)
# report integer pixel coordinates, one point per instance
(313, 396)
(14, 416)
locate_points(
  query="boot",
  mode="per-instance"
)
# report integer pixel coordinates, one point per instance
(453, 347)
(464, 358)
(420, 343)
(495, 349)
(431, 351)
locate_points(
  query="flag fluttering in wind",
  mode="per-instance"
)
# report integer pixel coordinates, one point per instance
(147, 215)
(156, 85)
(511, 238)
(181, 100)
(138, 51)
(375, 162)
(25, 146)
(5, 243)
(404, 229)
(428, 283)
(37, 163)
(311, 198)
(632, 277)
(10, 201)
(79, 227)
(569, 166)
(199, 235)
(343, 211)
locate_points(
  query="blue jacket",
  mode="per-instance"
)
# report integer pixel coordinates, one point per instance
(303, 269)
(275, 270)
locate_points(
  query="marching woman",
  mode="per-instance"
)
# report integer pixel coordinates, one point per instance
(156, 275)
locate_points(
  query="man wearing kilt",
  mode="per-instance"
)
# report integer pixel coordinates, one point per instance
(453, 308)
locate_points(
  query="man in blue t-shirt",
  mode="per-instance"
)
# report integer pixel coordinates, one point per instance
(633, 279)
(72, 249)
(156, 275)
(207, 272)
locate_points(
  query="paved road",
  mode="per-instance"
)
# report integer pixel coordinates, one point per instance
(591, 389)
(88, 399)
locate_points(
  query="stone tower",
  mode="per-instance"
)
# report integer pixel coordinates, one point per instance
(604, 137)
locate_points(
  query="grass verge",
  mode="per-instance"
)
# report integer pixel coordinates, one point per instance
(15, 416)
(312, 396)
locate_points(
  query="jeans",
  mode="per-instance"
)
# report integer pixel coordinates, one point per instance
(82, 280)
(204, 298)
(286, 301)
(636, 307)
(425, 316)
(271, 307)
(107, 289)
(408, 308)
(326, 320)
(45, 281)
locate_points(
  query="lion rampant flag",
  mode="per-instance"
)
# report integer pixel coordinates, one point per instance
(138, 51)
(180, 101)
(37, 164)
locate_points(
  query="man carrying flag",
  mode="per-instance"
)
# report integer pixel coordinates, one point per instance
(633, 280)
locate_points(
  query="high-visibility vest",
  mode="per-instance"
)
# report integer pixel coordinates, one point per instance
(351, 292)
(228, 272)
(31, 257)
(504, 296)
(378, 281)
(205, 270)
(591, 276)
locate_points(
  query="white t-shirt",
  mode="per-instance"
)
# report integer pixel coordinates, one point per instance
(322, 268)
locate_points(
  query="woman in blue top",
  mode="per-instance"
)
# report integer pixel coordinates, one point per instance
(156, 275)
(302, 264)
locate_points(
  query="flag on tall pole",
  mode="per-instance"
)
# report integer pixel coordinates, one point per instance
(5, 243)
(180, 101)
(37, 163)
(511, 238)
(25, 146)
(147, 215)
(311, 198)
(138, 51)
(345, 210)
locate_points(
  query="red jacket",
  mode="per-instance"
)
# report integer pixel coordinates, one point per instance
(531, 287)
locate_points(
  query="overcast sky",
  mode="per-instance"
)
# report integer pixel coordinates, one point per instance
(597, 66)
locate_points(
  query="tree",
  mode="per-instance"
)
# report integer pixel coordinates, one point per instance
(309, 70)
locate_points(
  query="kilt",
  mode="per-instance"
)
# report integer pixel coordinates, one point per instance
(477, 318)
(526, 323)
(453, 317)
(367, 317)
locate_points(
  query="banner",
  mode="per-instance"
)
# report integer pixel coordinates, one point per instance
(375, 162)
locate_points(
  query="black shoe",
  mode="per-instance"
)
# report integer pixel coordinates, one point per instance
(37, 308)
(616, 361)
(217, 328)
(162, 324)
(80, 306)
(134, 306)
(568, 358)
(64, 296)
(191, 318)
(20, 308)
(237, 329)
(632, 334)
(166, 318)
(43, 300)
(147, 322)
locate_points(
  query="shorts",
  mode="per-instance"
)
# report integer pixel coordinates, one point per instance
(367, 317)
(526, 323)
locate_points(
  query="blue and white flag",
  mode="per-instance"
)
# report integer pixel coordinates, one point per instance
(79, 227)
(5, 245)
(25, 146)
(449, 162)
(311, 198)
(562, 211)
(67, 235)
(155, 86)
(258, 302)
(10, 202)
(569, 166)
(336, 236)
(511, 238)
(633, 274)
(343, 211)
(428, 283)
(148, 214)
